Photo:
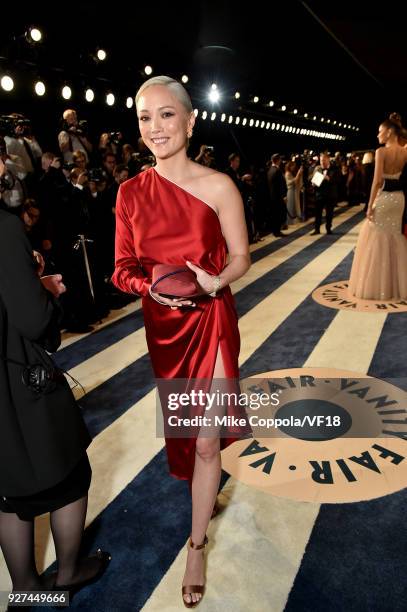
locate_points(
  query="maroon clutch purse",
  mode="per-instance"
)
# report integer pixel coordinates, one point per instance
(175, 281)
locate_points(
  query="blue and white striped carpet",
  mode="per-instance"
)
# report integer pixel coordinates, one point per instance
(265, 553)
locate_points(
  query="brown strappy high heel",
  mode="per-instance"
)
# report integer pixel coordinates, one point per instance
(195, 588)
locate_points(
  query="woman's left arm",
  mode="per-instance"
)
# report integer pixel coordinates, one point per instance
(232, 220)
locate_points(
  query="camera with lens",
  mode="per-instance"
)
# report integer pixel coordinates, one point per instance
(7, 183)
(83, 127)
(24, 125)
(68, 166)
(96, 175)
(115, 137)
(7, 125)
(80, 129)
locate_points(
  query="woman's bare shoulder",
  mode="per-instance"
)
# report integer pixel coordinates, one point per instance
(213, 181)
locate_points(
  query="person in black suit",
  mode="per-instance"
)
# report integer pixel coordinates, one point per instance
(278, 194)
(326, 194)
(43, 439)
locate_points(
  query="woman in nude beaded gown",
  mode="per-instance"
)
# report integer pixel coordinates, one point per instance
(379, 269)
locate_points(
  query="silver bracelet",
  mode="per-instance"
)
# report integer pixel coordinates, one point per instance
(216, 286)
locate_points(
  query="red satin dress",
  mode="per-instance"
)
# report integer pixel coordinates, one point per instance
(159, 222)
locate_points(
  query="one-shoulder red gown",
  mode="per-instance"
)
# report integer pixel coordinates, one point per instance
(159, 222)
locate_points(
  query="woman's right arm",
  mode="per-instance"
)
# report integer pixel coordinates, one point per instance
(377, 180)
(128, 275)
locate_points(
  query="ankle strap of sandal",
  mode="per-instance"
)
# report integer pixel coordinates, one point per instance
(198, 546)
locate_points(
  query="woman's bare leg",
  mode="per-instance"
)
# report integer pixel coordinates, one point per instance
(205, 486)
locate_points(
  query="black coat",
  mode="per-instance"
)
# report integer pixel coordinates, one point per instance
(277, 184)
(42, 436)
(328, 190)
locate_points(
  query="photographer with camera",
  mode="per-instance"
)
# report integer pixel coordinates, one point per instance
(109, 163)
(205, 156)
(43, 438)
(73, 136)
(131, 159)
(110, 143)
(12, 174)
(20, 142)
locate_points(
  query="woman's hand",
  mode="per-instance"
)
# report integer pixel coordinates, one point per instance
(173, 303)
(40, 262)
(369, 213)
(53, 283)
(203, 278)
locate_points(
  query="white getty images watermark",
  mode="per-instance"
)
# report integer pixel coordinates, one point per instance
(218, 398)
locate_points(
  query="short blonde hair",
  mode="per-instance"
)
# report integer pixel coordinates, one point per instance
(174, 86)
(67, 112)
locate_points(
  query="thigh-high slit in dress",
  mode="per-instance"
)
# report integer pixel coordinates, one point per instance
(159, 222)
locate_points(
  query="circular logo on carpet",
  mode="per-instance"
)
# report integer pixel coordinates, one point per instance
(342, 437)
(335, 295)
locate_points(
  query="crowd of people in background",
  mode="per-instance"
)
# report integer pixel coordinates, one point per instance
(66, 199)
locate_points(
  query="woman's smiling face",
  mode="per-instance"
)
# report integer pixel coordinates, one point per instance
(163, 121)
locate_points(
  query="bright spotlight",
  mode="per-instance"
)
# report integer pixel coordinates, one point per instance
(204, 115)
(184, 78)
(39, 88)
(244, 121)
(322, 119)
(271, 103)
(273, 126)
(214, 96)
(230, 119)
(223, 117)
(196, 112)
(237, 120)
(214, 86)
(255, 99)
(89, 95)
(129, 102)
(263, 123)
(237, 95)
(148, 70)
(283, 108)
(7, 83)
(101, 55)
(305, 115)
(315, 117)
(295, 111)
(251, 122)
(66, 92)
(268, 125)
(110, 99)
(33, 35)
(213, 116)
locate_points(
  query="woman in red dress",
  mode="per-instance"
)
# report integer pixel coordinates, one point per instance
(180, 212)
